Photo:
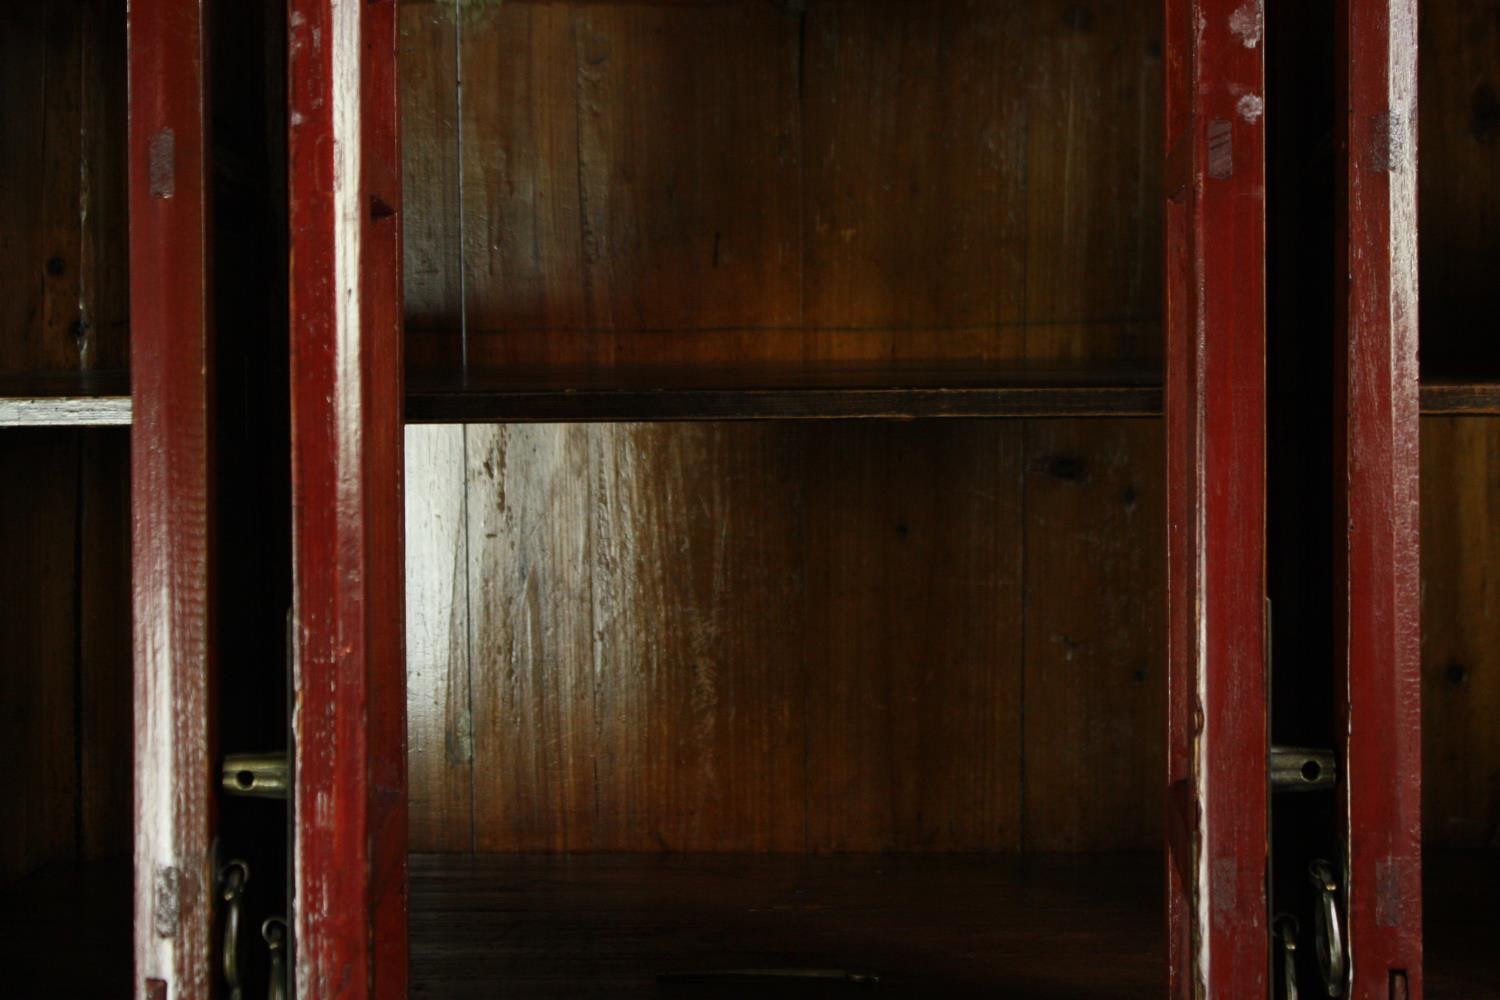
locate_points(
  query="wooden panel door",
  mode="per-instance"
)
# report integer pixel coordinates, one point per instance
(1376, 600)
(171, 500)
(1216, 419)
(349, 720)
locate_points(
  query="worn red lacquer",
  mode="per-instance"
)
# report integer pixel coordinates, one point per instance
(344, 190)
(1215, 404)
(171, 504)
(1376, 602)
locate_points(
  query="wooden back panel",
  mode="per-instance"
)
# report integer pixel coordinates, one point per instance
(862, 180)
(787, 637)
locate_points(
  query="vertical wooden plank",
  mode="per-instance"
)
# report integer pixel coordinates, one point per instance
(439, 727)
(1215, 386)
(349, 850)
(1094, 681)
(1459, 201)
(22, 124)
(1376, 604)
(104, 299)
(62, 225)
(60, 341)
(431, 248)
(697, 637)
(913, 637)
(522, 208)
(669, 242)
(671, 625)
(1092, 182)
(1460, 632)
(171, 502)
(103, 632)
(914, 119)
(38, 512)
(536, 731)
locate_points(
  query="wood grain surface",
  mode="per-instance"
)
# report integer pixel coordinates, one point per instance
(959, 925)
(63, 290)
(345, 285)
(1458, 198)
(1215, 265)
(1094, 691)
(1460, 632)
(745, 181)
(826, 637)
(172, 564)
(1377, 576)
(38, 500)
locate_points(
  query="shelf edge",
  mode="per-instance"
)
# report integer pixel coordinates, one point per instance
(65, 411)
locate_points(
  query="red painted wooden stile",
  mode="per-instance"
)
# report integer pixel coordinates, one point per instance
(349, 716)
(1376, 611)
(1216, 420)
(171, 502)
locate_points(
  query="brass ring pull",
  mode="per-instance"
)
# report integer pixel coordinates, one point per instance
(1328, 931)
(232, 879)
(274, 931)
(1285, 928)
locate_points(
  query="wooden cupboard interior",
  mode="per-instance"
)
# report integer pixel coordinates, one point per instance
(655, 664)
(690, 688)
(65, 477)
(1459, 213)
(65, 653)
(693, 686)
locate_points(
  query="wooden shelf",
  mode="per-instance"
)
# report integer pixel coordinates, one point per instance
(65, 400)
(927, 925)
(827, 391)
(1460, 397)
(781, 392)
(742, 393)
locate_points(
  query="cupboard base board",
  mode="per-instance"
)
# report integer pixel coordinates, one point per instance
(65, 931)
(929, 925)
(1461, 924)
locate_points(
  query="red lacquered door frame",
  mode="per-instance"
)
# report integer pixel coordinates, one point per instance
(349, 720)
(1216, 471)
(171, 502)
(1377, 573)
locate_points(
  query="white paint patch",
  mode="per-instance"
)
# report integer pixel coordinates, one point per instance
(1251, 107)
(1248, 23)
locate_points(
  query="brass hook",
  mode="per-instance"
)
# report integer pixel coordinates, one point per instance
(1327, 929)
(232, 879)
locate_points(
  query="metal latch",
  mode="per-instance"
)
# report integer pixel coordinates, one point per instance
(1328, 929)
(1286, 929)
(256, 775)
(232, 879)
(274, 932)
(1302, 769)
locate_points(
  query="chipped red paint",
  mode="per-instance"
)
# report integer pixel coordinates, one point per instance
(1215, 405)
(350, 714)
(1376, 601)
(171, 502)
